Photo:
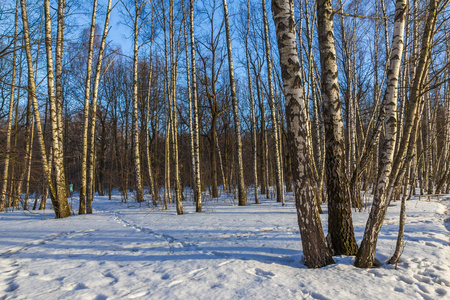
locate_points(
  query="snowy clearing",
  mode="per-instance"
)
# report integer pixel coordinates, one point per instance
(127, 251)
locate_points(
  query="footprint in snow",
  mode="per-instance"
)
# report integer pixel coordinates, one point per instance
(80, 286)
(113, 278)
(261, 272)
(318, 296)
(426, 297)
(441, 291)
(439, 268)
(217, 286)
(12, 287)
(423, 288)
(406, 279)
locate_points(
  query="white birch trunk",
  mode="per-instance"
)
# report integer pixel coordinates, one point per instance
(82, 205)
(10, 111)
(135, 120)
(340, 225)
(252, 105)
(197, 185)
(147, 121)
(173, 80)
(58, 158)
(314, 248)
(366, 253)
(90, 179)
(276, 135)
(189, 91)
(242, 197)
(59, 213)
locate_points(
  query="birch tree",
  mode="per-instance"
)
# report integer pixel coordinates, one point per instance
(60, 205)
(82, 205)
(54, 100)
(153, 189)
(340, 226)
(196, 152)
(189, 91)
(98, 68)
(173, 85)
(278, 166)
(315, 250)
(212, 63)
(366, 253)
(242, 197)
(135, 126)
(10, 112)
(252, 106)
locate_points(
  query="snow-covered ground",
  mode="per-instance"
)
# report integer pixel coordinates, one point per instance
(127, 251)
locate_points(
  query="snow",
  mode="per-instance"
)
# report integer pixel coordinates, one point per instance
(132, 251)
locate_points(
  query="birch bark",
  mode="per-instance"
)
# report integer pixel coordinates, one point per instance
(58, 159)
(340, 226)
(135, 119)
(252, 104)
(314, 248)
(91, 178)
(61, 210)
(153, 190)
(242, 197)
(366, 254)
(87, 86)
(11, 104)
(188, 83)
(197, 185)
(278, 171)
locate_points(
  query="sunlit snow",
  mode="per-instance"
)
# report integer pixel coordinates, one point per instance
(132, 251)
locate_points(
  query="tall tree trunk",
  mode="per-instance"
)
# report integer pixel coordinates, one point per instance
(349, 97)
(366, 254)
(340, 226)
(82, 205)
(21, 176)
(224, 180)
(58, 159)
(214, 189)
(189, 91)
(61, 187)
(167, 116)
(278, 165)
(11, 105)
(401, 226)
(135, 126)
(91, 165)
(28, 150)
(153, 189)
(197, 184)
(242, 197)
(61, 208)
(167, 189)
(314, 248)
(264, 185)
(173, 86)
(416, 100)
(252, 105)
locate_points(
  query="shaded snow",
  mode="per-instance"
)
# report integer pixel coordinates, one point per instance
(127, 251)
